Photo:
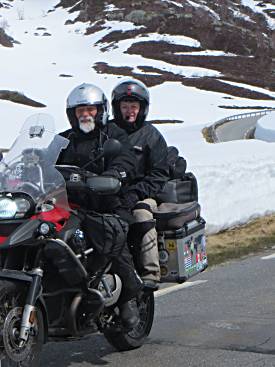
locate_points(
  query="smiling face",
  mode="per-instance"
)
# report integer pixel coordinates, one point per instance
(86, 117)
(129, 110)
(84, 112)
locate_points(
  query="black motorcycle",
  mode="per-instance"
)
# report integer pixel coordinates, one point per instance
(53, 284)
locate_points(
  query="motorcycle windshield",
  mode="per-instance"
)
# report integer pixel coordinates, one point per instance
(29, 166)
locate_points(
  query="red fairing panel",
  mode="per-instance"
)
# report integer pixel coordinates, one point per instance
(57, 216)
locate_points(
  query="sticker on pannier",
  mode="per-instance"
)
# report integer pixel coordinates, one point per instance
(187, 256)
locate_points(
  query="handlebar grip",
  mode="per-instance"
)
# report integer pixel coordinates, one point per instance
(76, 185)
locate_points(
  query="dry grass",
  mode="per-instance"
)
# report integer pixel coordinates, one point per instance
(253, 237)
(206, 132)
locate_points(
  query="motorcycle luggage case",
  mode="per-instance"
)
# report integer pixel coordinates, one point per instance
(173, 216)
(182, 250)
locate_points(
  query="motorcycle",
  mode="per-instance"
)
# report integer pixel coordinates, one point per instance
(48, 288)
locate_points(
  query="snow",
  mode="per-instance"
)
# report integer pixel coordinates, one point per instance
(236, 179)
(207, 53)
(250, 3)
(195, 5)
(177, 40)
(206, 8)
(118, 56)
(253, 5)
(119, 26)
(238, 14)
(250, 87)
(110, 8)
(174, 3)
(265, 128)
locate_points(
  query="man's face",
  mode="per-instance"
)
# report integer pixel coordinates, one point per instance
(85, 112)
(129, 110)
(86, 117)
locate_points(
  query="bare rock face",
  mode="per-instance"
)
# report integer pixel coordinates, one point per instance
(222, 24)
(5, 40)
(20, 98)
(244, 35)
(141, 17)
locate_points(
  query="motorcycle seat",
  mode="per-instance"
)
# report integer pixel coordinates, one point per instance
(174, 216)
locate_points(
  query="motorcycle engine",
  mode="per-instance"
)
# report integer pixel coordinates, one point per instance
(77, 242)
(110, 287)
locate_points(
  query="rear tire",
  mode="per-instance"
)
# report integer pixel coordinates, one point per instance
(12, 297)
(135, 338)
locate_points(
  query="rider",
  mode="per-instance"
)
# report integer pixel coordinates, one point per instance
(87, 111)
(130, 104)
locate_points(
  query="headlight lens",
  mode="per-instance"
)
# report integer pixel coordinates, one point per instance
(14, 207)
(44, 228)
(8, 208)
(23, 206)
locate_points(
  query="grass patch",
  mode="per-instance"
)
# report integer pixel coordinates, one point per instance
(253, 237)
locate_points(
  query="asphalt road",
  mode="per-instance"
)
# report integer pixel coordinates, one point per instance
(235, 129)
(224, 318)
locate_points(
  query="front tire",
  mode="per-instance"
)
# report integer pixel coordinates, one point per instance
(135, 338)
(12, 354)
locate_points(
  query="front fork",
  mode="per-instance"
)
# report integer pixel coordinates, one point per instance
(34, 292)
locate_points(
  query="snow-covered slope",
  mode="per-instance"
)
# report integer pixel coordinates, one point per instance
(265, 128)
(56, 48)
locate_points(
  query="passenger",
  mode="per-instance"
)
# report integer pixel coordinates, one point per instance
(87, 111)
(130, 104)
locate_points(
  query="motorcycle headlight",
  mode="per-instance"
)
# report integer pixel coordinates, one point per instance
(23, 205)
(8, 208)
(15, 207)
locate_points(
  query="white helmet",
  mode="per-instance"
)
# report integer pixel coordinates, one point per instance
(87, 95)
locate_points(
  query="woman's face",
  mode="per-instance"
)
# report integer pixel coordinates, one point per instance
(129, 110)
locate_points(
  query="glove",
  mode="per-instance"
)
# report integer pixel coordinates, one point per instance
(112, 173)
(129, 199)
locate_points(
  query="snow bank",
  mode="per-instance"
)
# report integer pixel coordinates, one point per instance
(265, 128)
(236, 179)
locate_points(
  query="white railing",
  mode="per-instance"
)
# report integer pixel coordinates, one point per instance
(235, 117)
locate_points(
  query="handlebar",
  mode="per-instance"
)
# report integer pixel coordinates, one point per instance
(78, 179)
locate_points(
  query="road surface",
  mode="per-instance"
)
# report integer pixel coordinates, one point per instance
(235, 129)
(224, 318)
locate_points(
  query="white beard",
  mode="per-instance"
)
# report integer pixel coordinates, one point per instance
(87, 126)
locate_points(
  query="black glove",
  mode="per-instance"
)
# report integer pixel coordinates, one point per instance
(129, 199)
(114, 173)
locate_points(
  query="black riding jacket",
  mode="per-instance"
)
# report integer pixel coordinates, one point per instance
(151, 152)
(84, 148)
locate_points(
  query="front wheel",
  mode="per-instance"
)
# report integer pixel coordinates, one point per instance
(14, 352)
(135, 338)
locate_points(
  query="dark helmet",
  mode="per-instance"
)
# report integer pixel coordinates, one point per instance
(131, 90)
(87, 95)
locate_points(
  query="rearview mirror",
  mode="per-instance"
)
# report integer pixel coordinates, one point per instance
(111, 148)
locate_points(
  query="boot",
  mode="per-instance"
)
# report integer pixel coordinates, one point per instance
(129, 314)
(150, 285)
